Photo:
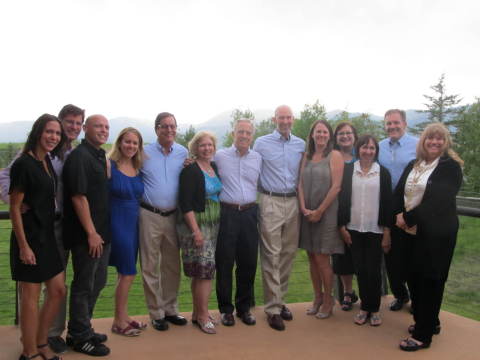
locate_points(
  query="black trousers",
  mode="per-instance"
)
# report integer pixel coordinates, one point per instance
(398, 264)
(89, 278)
(237, 243)
(427, 296)
(367, 260)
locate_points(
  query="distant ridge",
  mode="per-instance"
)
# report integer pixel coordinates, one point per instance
(219, 124)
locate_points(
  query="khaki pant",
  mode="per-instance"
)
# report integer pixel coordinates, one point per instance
(279, 232)
(160, 263)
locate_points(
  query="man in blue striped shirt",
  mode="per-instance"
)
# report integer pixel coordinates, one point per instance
(281, 153)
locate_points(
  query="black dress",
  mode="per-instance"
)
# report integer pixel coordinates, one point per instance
(29, 176)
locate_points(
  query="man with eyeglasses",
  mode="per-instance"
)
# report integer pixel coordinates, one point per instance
(159, 252)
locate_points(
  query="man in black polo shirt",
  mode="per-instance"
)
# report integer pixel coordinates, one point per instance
(87, 233)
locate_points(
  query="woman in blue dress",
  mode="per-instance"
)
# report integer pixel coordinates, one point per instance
(126, 190)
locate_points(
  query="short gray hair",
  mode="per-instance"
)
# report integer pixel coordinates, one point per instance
(244, 120)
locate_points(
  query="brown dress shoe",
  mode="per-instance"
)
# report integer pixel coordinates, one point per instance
(286, 314)
(247, 318)
(275, 322)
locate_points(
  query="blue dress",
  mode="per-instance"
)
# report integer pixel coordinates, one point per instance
(125, 194)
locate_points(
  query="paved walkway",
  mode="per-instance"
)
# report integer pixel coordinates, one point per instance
(305, 338)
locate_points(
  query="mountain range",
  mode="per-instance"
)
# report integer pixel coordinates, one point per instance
(17, 131)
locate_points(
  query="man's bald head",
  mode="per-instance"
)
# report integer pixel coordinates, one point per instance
(96, 130)
(284, 120)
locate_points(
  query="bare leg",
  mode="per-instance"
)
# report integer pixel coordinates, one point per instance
(322, 262)
(347, 281)
(56, 293)
(29, 316)
(203, 288)
(317, 286)
(121, 300)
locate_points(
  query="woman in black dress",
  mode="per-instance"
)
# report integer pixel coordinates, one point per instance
(426, 198)
(34, 256)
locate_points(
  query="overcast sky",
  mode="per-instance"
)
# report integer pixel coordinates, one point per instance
(199, 58)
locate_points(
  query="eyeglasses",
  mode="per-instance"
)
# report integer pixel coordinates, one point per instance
(345, 133)
(166, 126)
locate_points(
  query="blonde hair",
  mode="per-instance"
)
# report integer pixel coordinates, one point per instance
(433, 129)
(115, 153)
(193, 144)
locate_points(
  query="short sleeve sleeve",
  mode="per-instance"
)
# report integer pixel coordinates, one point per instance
(19, 177)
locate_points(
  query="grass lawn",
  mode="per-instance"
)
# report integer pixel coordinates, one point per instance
(462, 295)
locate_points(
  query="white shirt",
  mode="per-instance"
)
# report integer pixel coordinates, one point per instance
(365, 199)
(239, 175)
(416, 183)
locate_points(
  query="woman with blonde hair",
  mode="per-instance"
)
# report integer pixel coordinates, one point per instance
(426, 208)
(126, 190)
(198, 198)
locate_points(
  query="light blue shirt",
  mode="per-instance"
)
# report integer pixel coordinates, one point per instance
(161, 174)
(280, 161)
(395, 155)
(239, 175)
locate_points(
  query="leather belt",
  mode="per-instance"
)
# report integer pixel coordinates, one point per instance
(238, 207)
(157, 210)
(271, 193)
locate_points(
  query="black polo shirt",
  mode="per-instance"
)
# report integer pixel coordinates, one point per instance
(85, 173)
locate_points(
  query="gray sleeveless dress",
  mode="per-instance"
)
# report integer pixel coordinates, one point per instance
(321, 237)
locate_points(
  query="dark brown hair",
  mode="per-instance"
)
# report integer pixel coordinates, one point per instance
(311, 142)
(70, 109)
(37, 131)
(162, 116)
(339, 127)
(363, 140)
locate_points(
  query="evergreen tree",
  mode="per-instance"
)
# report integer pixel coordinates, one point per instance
(236, 114)
(310, 114)
(184, 139)
(440, 106)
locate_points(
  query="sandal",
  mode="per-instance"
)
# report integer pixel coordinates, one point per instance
(375, 320)
(25, 357)
(138, 325)
(361, 318)
(207, 327)
(210, 317)
(411, 344)
(128, 331)
(347, 305)
(55, 357)
(315, 307)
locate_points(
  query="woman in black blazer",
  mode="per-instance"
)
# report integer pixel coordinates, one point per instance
(199, 203)
(365, 218)
(425, 200)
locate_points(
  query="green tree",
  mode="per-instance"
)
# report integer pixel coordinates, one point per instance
(466, 136)
(363, 123)
(264, 127)
(236, 114)
(440, 106)
(184, 139)
(309, 114)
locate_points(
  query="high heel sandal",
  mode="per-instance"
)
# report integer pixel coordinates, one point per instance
(55, 357)
(325, 314)
(313, 310)
(347, 305)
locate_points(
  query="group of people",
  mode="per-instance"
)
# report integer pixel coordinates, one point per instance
(339, 197)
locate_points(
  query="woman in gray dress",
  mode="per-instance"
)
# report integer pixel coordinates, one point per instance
(320, 181)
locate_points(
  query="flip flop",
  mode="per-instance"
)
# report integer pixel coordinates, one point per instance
(128, 331)
(138, 325)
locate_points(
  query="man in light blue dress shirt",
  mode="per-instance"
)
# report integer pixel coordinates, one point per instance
(159, 252)
(396, 152)
(237, 243)
(281, 153)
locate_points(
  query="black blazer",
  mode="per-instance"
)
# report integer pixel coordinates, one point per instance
(192, 188)
(385, 214)
(435, 217)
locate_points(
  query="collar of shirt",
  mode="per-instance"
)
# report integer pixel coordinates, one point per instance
(95, 152)
(161, 148)
(235, 150)
(374, 169)
(400, 141)
(281, 137)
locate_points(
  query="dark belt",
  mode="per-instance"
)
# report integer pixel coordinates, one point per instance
(157, 210)
(271, 193)
(238, 206)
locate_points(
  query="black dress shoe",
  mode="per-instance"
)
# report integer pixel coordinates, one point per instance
(286, 314)
(227, 319)
(276, 322)
(160, 324)
(397, 304)
(99, 338)
(176, 319)
(247, 318)
(57, 344)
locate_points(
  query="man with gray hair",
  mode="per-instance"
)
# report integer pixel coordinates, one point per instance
(281, 153)
(237, 243)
